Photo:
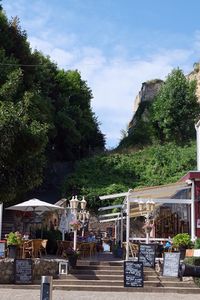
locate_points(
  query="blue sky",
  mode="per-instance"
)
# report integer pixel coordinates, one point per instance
(115, 44)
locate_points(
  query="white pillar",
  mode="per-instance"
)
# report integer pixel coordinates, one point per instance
(197, 127)
(115, 231)
(127, 226)
(75, 231)
(193, 224)
(122, 227)
(1, 219)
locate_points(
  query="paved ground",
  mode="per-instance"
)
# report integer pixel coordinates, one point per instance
(8, 294)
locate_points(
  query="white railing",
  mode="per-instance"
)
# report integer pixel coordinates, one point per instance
(140, 239)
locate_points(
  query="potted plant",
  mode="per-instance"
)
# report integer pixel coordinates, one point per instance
(75, 225)
(182, 241)
(13, 240)
(72, 256)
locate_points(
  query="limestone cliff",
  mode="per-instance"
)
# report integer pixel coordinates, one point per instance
(148, 92)
(150, 89)
(195, 75)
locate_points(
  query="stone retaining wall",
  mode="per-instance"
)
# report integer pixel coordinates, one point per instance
(41, 267)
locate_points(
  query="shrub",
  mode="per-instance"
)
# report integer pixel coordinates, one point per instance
(182, 240)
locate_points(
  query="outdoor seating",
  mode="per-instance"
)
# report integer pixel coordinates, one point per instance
(37, 247)
(59, 248)
(43, 246)
(65, 245)
(85, 249)
(27, 249)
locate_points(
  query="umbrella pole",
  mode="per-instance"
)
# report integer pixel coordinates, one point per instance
(63, 235)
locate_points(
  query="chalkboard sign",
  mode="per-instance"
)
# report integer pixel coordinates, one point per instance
(2, 248)
(133, 274)
(23, 271)
(171, 264)
(147, 253)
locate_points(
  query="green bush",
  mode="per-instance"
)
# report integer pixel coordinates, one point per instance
(197, 244)
(182, 240)
(195, 261)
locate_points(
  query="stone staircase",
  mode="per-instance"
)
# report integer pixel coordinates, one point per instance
(107, 276)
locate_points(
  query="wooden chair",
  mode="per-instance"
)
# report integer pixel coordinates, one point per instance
(85, 249)
(27, 249)
(92, 249)
(37, 247)
(59, 248)
(134, 248)
(44, 246)
(65, 245)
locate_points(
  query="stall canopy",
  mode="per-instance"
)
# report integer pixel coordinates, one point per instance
(160, 194)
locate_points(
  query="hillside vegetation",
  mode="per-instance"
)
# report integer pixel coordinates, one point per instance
(45, 114)
(159, 149)
(118, 172)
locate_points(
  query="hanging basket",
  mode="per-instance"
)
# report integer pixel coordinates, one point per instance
(74, 227)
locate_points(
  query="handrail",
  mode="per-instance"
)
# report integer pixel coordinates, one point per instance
(150, 239)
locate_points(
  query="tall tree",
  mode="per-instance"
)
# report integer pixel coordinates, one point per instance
(175, 109)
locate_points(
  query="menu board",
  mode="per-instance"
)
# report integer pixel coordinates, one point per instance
(2, 248)
(23, 271)
(147, 253)
(171, 264)
(133, 274)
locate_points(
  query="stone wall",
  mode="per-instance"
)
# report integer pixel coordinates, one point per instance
(41, 267)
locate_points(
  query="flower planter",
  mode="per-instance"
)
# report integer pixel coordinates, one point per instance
(12, 253)
(72, 261)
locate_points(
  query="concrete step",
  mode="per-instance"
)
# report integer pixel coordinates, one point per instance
(165, 278)
(102, 288)
(98, 267)
(91, 277)
(100, 263)
(96, 272)
(146, 289)
(90, 282)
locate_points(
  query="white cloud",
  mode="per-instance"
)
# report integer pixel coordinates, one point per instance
(115, 81)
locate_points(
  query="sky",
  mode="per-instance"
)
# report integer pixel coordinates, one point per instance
(115, 44)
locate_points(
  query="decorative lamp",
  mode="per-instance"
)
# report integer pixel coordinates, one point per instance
(152, 205)
(140, 204)
(72, 204)
(80, 215)
(76, 202)
(84, 216)
(83, 203)
(87, 215)
(148, 205)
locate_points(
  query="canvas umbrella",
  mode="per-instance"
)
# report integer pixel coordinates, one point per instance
(35, 205)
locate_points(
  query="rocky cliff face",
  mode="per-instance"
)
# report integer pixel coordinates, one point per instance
(148, 92)
(195, 75)
(150, 89)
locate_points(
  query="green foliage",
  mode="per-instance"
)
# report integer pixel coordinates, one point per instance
(195, 261)
(197, 243)
(45, 114)
(115, 172)
(176, 109)
(14, 238)
(182, 240)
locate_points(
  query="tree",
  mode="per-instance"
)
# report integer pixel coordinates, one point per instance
(176, 109)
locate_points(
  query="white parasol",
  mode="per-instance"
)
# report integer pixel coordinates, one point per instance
(35, 205)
